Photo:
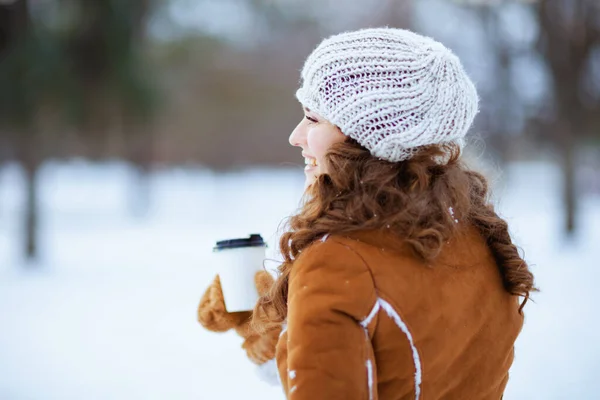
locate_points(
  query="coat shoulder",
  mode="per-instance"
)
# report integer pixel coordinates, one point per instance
(334, 269)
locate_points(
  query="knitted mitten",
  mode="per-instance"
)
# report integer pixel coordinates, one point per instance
(259, 346)
(212, 314)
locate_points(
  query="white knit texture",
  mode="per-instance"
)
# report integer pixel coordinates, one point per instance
(391, 90)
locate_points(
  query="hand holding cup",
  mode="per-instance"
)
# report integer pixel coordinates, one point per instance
(218, 312)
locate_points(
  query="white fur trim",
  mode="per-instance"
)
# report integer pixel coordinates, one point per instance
(416, 359)
(268, 373)
(368, 363)
(283, 329)
(365, 322)
(370, 378)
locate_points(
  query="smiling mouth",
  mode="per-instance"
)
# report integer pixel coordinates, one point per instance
(310, 162)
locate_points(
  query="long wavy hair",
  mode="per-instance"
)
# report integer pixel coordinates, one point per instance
(411, 198)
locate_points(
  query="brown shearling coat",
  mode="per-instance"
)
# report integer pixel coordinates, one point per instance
(368, 320)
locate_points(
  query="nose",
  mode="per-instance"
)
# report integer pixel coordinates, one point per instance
(298, 136)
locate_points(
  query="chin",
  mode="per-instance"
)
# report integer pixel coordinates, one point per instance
(311, 175)
(310, 179)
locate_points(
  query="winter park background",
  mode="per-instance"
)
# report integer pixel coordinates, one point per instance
(112, 195)
(110, 311)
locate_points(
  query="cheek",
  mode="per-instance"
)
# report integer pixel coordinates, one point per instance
(320, 139)
(317, 143)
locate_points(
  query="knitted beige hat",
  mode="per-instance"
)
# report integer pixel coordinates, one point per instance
(389, 89)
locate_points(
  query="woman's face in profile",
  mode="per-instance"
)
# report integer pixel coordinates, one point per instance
(315, 136)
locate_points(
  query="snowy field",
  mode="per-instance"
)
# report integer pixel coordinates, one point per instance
(109, 312)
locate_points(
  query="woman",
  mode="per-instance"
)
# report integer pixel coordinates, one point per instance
(399, 279)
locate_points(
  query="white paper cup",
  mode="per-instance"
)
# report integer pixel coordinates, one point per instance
(238, 261)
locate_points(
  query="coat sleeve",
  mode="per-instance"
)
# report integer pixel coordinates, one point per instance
(330, 292)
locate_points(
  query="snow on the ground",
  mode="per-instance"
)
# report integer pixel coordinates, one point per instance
(109, 312)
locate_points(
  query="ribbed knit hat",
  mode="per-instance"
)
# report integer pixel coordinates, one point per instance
(391, 90)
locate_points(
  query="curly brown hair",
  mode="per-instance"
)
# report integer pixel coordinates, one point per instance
(410, 198)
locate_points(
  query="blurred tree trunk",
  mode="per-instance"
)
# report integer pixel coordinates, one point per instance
(568, 165)
(141, 193)
(31, 161)
(500, 113)
(14, 32)
(568, 34)
(139, 136)
(84, 72)
(140, 151)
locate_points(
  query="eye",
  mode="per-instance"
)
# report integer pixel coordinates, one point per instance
(311, 119)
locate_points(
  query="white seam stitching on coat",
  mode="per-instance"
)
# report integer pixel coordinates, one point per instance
(365, 322)
(370, 378)
(396, 317)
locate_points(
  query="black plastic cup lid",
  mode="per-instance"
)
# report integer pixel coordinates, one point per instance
(255, 240)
